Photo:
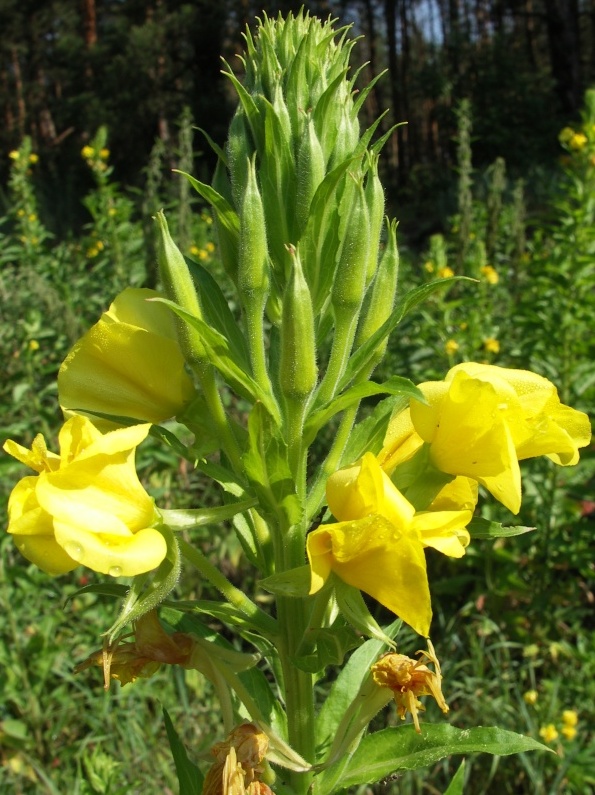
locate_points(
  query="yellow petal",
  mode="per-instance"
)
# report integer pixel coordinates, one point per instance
(128, 364)
(319, 547)
(46, 553)
(37, 458)
(355, 491)
(25, 515)
(400, 443)
(444, 531)
(370, 554)
(117, 556)
(459, 495)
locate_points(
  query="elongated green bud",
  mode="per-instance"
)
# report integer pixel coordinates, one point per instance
(239, 149)
(253, 277)
(310, 172)
(350, 277)
(382, 294)
(179, 288)
(298, 370)
(375, 199)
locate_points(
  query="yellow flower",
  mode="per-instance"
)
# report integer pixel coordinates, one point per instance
(569, 732)
(21, 213)
(92, 252)
(86, 506)
(491, 345)
(482, 420)
(33, 158)
(451, 347)
(142, 657)
(530, 697)
(128, 364)
(14, 155)
(548, 733)
(409, 679)
(429, 266)
(445, 272)
(238, 765)
(210, 247)
(378, 543)
(570, 717)
(33, 345)
(104, 153)
(490, 274)
(578, 141)
(111, 212)
(88, 152)
(32, 217)
(194, 250)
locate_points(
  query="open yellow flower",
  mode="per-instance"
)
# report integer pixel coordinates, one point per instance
(378, 543)
(86, 506)
(482, 420)
(129, 363)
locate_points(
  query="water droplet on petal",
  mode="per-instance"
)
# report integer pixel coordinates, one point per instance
(74, 549)
(114, 571)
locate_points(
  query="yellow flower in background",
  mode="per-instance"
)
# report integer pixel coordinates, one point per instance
(378, 543)
(490, 274)
(85, 506)
(429, 266)
(491, 345)
(548, 733)
(409, 679)
(482, 420)
(33, 345)
(194, 250)
(128, 364)
(578, 141)
(33, 158)
(14, 155)
(565, 135)
(569, 732)
(451, 347)
(88, 152)
(570, 717)
(104, 153)
(445, 272)
(210, 247)
(530, 697)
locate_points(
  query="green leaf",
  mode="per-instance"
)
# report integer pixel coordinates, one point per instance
(396, 385)
(382, 753)
(456, 785)
(226, 215)
(353, 608)
(368, 435)
(268, 471)
(190, 778)
(409, 301)
(324, 647)
(218, 314)
(221, 357)
(190, 518)
(346, 687)
(293, 583)
(483, 528)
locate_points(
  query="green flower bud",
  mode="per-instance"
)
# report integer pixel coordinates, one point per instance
(310, 172)
(375, 200)
(179, 288)
(350, 277)
(253, 279)
(298, 372)
(381, 298)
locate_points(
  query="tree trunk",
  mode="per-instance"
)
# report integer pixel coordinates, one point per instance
(564, 46)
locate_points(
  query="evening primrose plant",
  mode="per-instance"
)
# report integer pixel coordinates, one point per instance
(313, 267)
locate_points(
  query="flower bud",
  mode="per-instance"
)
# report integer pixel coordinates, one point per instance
(382, 295)
(253, 279)
(349, 283)
(310, 172)
(179, 287)
(298, 370)
(375, 200)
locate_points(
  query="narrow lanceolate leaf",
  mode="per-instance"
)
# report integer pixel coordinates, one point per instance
(483, 528)
(188, 519)
(394, 386)
(363, 355)
(225, 212)
(456, 785)
(219, 354)
(382, 753)
(189, 776)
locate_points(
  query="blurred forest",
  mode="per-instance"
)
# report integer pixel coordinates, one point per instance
(66, 68)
